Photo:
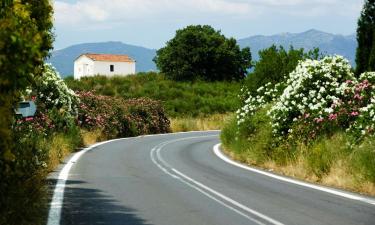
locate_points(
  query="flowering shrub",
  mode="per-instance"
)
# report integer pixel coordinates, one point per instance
(51, 91)
(323, 118)
(312, 94)
(361, 101)
(319, 97)
(56, 105)
(121, 118)
(251, 103)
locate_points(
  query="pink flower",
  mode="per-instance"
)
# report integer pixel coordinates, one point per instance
(354, 113)
(319, 120)
(29, 119)
(307, 115)
(332, 116)
(357, 96)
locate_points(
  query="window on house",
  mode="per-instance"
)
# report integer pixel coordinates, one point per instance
(111, 68)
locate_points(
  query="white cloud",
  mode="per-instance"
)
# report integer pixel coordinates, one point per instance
(309, 8)
(84, 11)
(133, 21)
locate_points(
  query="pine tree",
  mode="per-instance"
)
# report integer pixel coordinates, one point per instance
(365, 56)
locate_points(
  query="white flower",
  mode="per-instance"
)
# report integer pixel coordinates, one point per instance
(328, 110)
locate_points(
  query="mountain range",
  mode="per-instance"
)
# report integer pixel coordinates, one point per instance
(327, 43)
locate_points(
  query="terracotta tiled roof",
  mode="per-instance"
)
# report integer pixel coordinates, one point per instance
(109, 57)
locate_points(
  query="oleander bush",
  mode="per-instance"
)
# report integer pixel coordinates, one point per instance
(117, 117)
(320, 118)
(314, 92)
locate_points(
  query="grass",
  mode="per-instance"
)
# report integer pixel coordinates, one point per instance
(329, 160)
(60, 148)
(180, 99)
(91, 137)
(213, 122)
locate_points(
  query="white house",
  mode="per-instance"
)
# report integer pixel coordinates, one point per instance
(103, 64)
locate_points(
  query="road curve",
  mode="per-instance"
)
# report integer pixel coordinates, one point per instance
(176, 179)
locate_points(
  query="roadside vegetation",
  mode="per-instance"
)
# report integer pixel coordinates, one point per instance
(314, 120)
(66, 120)
(210, 122)
(198, 88)
(25, 40)
(180, 99)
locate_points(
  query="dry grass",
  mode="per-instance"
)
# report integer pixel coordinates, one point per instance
(60, 148)
(91, 137)
(213, 122)
(339, 176)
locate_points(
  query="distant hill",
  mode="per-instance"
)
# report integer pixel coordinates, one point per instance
(326, 42)
(63, 59)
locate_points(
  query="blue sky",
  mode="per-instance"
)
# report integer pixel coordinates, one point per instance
(150, 23)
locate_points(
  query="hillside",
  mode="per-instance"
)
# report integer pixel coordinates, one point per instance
(63, 59)
(180, 99)
(327, 43)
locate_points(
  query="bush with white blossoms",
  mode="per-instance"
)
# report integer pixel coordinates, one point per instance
(52, 91)
(313, 92)
(265, 94)
(318, 97)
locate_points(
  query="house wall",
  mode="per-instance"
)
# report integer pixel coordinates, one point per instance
(83, 66)
(120, 68)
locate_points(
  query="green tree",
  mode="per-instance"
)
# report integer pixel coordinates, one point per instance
(275, 64)
(201, 52)
(365, 56)
(25, 40)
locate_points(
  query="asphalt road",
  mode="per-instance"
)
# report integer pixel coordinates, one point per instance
(176, 179)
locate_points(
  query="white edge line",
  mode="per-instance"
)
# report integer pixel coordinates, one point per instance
(54, 214)
(239, 205)
(203, 188)
(219, 154)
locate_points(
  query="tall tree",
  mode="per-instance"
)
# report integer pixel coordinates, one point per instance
(275, 63)
(25, 41)
(365, 56)
(201, 52)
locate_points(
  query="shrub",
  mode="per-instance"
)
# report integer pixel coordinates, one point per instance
(25, 39)
(121, 118)
(252, 103)
(319, 126)
(33, 154)
(180, 99)
(313, 91)
(52, 92)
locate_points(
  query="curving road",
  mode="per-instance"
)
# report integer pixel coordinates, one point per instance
(177, 179)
